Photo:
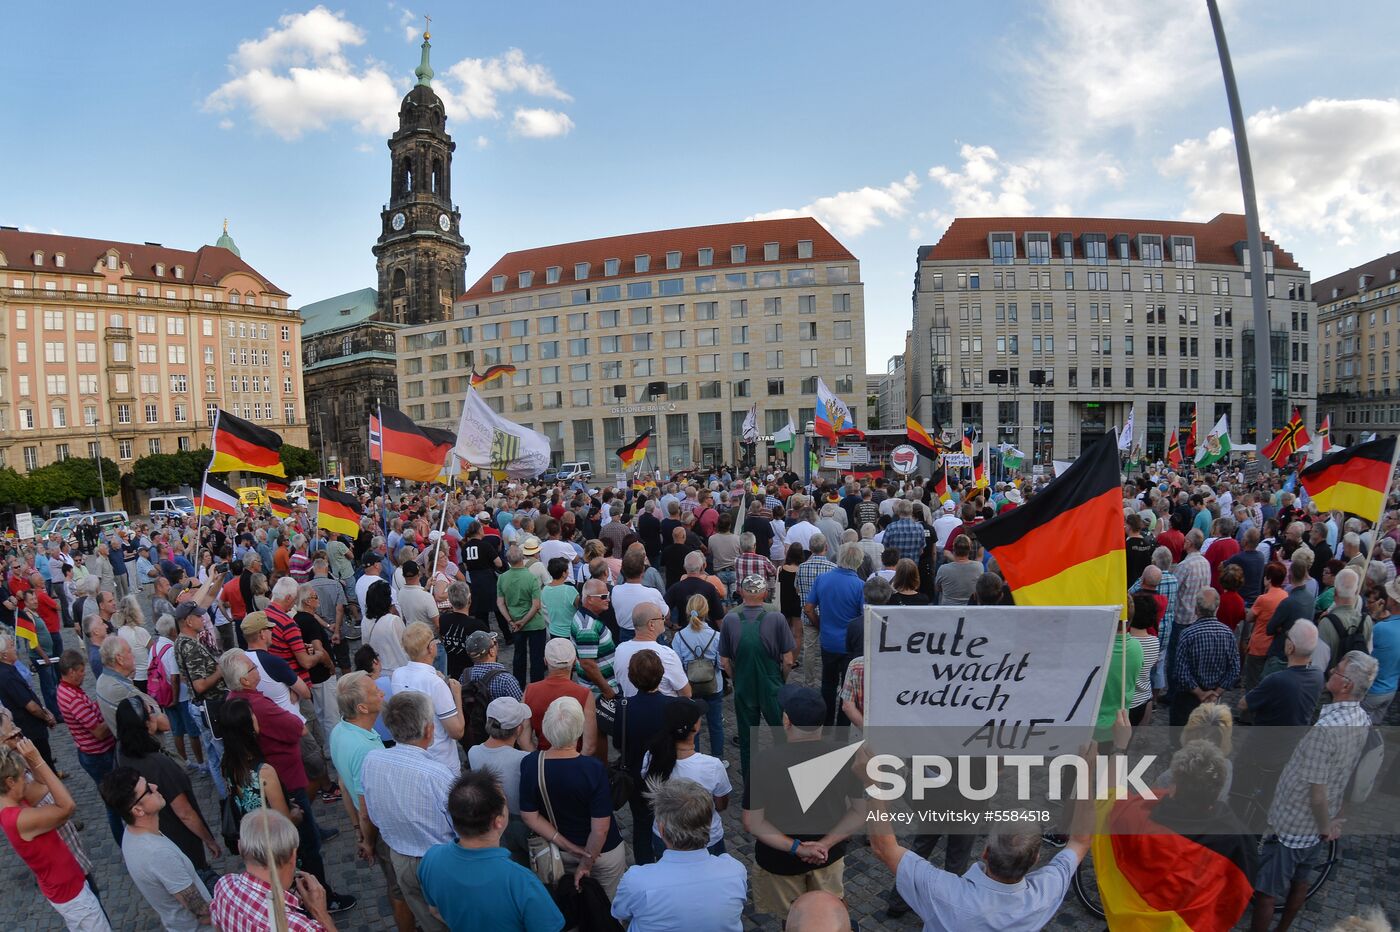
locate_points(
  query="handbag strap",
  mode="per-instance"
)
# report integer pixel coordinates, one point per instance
(544, 793)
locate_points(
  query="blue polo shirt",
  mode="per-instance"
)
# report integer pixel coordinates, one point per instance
(839, 595)
(683, 890)
(482, 888)
(350, 745)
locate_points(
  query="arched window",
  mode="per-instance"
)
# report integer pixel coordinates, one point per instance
(400, 282)
(406, 176)
(438, 176)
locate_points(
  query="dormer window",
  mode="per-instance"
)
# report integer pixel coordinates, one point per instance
(738, 254)
(641, 264)
(673, 259)
(38, 257)
(770, 252)
(706, 256)
(581, 270)
(58, 259)
(526, 279)
(498, 283)
(551, 275)
(610, 267)
(804, 249)
(179, 271)
(111, 263)
(160, 269)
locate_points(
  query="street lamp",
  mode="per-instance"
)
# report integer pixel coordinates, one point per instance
(97, 460)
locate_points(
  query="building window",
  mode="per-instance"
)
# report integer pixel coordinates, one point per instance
(498, 283)
(770, 252)
(1038, 248)
(526, 279)
(153, 445)
(804, 249)
(738, 254)
(1003, 248)
(610, 267)
(705, 256)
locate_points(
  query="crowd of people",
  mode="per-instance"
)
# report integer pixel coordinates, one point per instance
(487, 676)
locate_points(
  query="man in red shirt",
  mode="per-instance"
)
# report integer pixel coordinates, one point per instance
(287, 644)
(91, 737)
(48, 608)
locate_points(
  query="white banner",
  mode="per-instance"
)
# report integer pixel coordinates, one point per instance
(957, 460)
(1000, 677)
(24, 525)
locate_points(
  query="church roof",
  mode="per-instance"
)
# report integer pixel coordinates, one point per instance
(343, 310)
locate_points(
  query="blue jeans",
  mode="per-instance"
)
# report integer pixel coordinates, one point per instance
(213, 751)
(48, 686)
(727, 577)
(625, 634)
(97, 767)
(310, 834)
(714, 718)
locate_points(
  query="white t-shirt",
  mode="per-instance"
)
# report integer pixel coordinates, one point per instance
(416, 604)
(549, 549)
(626, 597)
(707, 771)
(277, 692)
(422, 678)
(167, 660)
(362, 589)
(673, 680)
(504, 762)
(944, 526)
(383, 635)
(140, 640)
(801, 533)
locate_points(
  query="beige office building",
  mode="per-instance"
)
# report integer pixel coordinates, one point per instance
(129, 348)
(677, 331)
(1358, 338)
(1045, 332)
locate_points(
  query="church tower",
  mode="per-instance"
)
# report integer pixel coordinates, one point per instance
(420, 254)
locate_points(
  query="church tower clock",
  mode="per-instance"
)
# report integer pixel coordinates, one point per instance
(420, 254)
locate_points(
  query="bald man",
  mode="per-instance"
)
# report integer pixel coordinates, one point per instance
(819, 911)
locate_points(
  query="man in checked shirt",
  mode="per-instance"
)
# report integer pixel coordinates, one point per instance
(1206, 659)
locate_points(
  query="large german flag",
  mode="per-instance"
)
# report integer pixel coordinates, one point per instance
(1065, 546)
(410, 451)
(920, 439)
(494, 372)
(281, 507)
(242, 446)
(338, 512)
(1174, 875)
(634, 452)
(1354, 480)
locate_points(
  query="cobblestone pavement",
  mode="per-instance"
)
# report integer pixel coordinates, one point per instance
(1369, 874)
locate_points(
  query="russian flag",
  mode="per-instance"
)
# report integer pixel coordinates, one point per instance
(833, 418)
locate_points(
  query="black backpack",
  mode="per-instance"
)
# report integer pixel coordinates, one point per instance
(1347, 641)
(476, 696)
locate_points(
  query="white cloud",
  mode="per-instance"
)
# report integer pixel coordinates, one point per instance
(225, 123)
(482, 142)
(297, 78)
(1104, 65)
(408, 24)
(1329, 167)
(472, 88)
(538, 123)
(986, 185)
(851, 213)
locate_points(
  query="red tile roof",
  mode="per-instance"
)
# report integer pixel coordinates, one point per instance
(207, 265)
(1382, 271)
(966, 238)
(688, 240)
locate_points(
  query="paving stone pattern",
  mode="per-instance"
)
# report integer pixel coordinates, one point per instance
(1369, 874)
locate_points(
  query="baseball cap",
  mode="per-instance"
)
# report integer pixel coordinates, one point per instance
(253, 622)
(949, 507)
(803, 705)
(370, 559)
(531, 546)
(479, 643)
(186, 609)
(560, 652)
(510, 712)
(754, 582)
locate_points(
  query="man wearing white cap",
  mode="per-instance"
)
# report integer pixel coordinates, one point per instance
(946, 523)
(508, 740)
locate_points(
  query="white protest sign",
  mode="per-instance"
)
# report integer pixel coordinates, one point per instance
(957, 460)
(24, 525)
(1025, 679)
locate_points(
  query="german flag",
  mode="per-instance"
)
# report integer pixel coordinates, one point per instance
(313, 491)
(968, 437)
(216, 496)
(1290, 439)
(280, 507)
(242, 446)
(1355, 480)
(1174, 452)
(634, 452)
(338, 512)
(495, 372)
(410, 451)
(920, 439)
(1065, 546)
(276, 488)
(1160, 872)
(940, 482)
(25, 630)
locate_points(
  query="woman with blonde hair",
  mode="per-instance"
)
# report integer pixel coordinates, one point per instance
(697, 643)
(130, 624)
(1212, 723)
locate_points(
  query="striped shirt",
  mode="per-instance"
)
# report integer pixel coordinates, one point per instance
(593, 641)
(82, 716)
(286, 640)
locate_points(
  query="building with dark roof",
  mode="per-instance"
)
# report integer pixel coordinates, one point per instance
(1358, 334)
(1046, 331)
(129, 348)
(420, 258)
(675, 331)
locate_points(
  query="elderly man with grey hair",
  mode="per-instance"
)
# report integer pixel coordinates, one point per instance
(268, 842)
(834, 601)
(409, 823)
(688, 887)
(1308, 802)
(694, 582)
(1206, 660)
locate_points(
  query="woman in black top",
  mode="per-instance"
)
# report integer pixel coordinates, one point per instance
(789, 602)
(639, 719)
(906, 585)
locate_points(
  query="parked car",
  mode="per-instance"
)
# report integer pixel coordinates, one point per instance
(180, 504)
(356, 484)
(296, 491)
(67, 511)
(571, 471)
(64, 526)
(105, 520)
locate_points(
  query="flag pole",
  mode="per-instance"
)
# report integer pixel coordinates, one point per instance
(1385, 499)
(204, 480)
(383, 509)
(442, 519)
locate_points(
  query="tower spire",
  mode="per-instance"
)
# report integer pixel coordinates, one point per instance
(424, 71)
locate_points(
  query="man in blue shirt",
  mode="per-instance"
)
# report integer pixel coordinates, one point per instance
(474, 884)
(688, 887)
(835, 600)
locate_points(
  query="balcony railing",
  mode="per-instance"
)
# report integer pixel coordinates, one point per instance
(131, 300)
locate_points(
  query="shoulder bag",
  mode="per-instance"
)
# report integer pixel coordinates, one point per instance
(620, 782)
(545, 859)
(700, 669)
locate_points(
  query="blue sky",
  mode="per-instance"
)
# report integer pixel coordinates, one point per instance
(580, 121)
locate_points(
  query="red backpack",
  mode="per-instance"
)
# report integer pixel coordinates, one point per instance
(158, 685)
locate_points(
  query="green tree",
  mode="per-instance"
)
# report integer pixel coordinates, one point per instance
(299, 461)
(81, 475)
(14, 488)
(158, 471)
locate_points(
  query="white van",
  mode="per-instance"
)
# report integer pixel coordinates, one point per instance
(171, 504)
(568, 472)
